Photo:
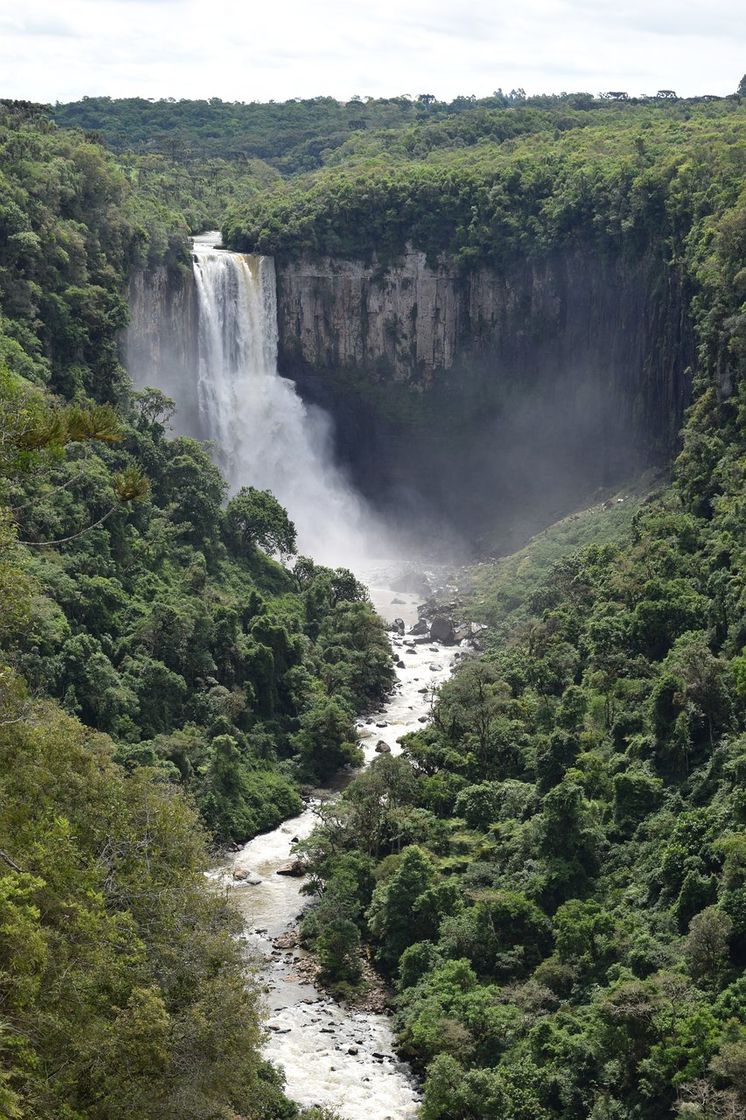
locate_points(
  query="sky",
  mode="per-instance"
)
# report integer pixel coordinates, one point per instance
(258, 50)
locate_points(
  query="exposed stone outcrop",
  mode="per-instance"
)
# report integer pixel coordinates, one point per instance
(161, 342)
(502, 395)
(570, 368)
(412, 323)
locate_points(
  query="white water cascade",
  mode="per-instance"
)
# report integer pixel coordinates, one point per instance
(262, 433)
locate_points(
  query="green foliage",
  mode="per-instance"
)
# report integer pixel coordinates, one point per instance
(326, 740)
(113, 951)
(573, 944)
(613, 181)
(302, 134)
(254, 518)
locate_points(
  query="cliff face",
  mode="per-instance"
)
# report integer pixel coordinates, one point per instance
(161, 343)
(493, 388)
(495, 397)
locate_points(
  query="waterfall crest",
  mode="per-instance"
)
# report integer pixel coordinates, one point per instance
(261, 432)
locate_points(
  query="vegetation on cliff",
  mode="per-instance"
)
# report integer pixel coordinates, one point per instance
(292, 136)
(622, 180)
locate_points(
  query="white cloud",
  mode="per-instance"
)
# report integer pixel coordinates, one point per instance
(245, 49)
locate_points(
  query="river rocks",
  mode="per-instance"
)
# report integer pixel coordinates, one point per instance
(442, 630)
(410, 651)
(398, 626)
(245, 876)
(400, 664)
(295, 868)
(325, 1034)
(420, 627)
(422, 719)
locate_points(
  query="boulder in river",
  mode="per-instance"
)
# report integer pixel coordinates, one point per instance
(420, 627)
(243, 875)
(295, 867)
(442, 630)
(382, 747)
(398, 626)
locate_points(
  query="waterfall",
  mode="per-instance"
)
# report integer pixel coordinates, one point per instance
(260, 431)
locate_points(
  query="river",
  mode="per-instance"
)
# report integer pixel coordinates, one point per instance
(332, 1055)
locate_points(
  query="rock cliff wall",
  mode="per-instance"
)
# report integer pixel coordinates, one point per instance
(493, 397)
(161, 344)
(482, 392)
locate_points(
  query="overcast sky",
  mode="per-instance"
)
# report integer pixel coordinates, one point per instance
(247, 50)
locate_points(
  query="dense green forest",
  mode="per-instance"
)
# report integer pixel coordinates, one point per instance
(164, 681)
(293, 136)
(553, 874)
(625, 179)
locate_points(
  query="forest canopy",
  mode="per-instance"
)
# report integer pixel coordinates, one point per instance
(552, 877)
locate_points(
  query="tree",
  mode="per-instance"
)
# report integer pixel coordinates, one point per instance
(393, 912)
(255, 519)
(741, 91)
(191, 486)
(479, 804)
(706, 946)
(326, 740)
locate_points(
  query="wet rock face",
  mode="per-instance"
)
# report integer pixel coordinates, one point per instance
(442, 630)
(412, 323)
(476, 394)
(160, 343)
